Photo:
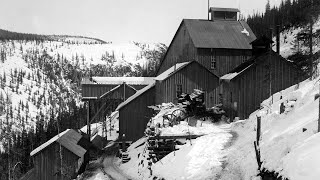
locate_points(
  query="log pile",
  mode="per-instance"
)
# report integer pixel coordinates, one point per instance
(157, 147)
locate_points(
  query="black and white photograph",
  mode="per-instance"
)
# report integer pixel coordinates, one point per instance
(159, 89)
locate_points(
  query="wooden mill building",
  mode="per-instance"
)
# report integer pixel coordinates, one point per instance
(246, 86)
(184, 78)
(104, 94)
(47, 164)
(219, 44)
(134, 113)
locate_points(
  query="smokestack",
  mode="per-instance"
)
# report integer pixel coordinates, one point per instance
(278, 39)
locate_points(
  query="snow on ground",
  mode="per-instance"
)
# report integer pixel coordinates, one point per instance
(288, 144)
(288, 140)
(112, 122)
(200, 158)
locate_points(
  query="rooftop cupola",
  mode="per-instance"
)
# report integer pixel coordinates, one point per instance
(226, 14)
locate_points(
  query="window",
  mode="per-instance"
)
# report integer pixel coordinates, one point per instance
(213, 64)
(178, 90)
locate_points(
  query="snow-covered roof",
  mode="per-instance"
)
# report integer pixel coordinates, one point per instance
(68, 139)
(229, 76)
(171, 70)
(120, 80)
(137, 94)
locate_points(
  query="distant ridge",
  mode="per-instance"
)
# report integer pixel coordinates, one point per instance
(10, 35)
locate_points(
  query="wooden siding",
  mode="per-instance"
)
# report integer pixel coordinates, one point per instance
(96, 90)
(226, 59)
(180, 50)
(251, 87)
(47, 163)
(134, 116)
(193, 76)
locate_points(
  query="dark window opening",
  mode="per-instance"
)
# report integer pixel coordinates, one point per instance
(178, 90)
(213, 64)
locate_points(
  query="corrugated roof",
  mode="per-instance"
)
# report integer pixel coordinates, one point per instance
(224, 9)
(119, 80)
(68, 139)
(171, 70)
(137, 94)
(220, 34)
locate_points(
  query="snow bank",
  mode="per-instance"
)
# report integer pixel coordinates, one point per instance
(200, 159)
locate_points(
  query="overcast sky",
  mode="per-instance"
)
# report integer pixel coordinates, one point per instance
(111, 20)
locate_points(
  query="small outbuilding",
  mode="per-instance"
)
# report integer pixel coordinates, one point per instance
(134, 113)
(48, 161)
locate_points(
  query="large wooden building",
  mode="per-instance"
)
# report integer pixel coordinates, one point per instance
(245, 87)
(219, 44)
(47, 164)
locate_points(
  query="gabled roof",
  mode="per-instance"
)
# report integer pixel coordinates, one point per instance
(119, 80)
(68, 139)
(137, 94)
(249, 63)
(220, 34)
(172, 70)
(212, 9)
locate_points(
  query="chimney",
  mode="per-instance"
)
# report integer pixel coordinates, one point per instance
(278, 39)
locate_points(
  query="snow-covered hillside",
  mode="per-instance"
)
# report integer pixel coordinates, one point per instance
(289, 44)
(39, 79)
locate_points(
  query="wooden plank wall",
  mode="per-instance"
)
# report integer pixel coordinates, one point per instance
(194, 76)
(226, 59)
(180, 50)
(47, 163)
(250, 88)
(134, 117)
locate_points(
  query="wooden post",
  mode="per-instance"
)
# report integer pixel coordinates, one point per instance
(124, 91)
(270, 68)
(208, 10)
(258, 129)
(88, 120)
(319, 111)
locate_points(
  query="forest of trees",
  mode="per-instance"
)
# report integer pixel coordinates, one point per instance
(48, 73)
(292, 14)
(9, 35)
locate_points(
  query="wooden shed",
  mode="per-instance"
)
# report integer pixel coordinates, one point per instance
(134, 113)
(184, 78)
(245, 87)
(219, 44)
(47, 164)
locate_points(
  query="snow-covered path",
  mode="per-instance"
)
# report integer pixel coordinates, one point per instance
(112, 170)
